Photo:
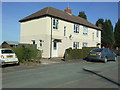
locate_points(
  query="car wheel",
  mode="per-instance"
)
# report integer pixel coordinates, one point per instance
(18, 63)
(105, 60)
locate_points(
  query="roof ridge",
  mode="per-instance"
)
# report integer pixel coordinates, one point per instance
(86, 20)
(53, 12)
(47, 10)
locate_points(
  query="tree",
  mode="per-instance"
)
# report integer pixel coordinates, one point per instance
(108, 34)
(100, 23)
(82, 15)
(117, 33)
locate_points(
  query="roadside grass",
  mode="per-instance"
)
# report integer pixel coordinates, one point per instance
(28, 63)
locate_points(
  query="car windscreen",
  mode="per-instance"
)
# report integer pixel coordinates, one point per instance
(6, 51)
(97, 50)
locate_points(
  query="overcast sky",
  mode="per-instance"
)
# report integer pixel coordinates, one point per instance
(12, 12)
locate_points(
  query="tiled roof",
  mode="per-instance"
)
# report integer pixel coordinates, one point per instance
(12, 42)
(52, 12)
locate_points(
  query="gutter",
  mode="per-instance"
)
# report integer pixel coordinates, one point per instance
(51, 41)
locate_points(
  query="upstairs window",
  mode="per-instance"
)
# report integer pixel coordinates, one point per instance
(75, 45)
(64, 30)
(85, 30)
(93, 36)
(76, 28)
(55, 23)
(97, 33)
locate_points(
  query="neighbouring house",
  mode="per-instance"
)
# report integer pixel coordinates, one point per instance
(54, 31)
(24, 45)
(7, 44)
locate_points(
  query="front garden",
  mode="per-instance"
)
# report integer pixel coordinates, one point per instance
(28, 55)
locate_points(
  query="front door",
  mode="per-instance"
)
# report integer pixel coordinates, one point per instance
(55, 49)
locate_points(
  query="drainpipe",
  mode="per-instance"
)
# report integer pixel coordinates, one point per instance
(51, 40)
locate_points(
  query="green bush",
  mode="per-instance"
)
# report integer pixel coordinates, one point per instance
(71, 54)
(86, 50)
(19, 53)
(27, 54)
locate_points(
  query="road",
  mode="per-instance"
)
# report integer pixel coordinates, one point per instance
(79, 74)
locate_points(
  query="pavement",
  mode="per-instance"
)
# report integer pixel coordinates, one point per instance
(51, 61)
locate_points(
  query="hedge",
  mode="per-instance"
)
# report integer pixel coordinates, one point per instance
(72, 54)
(116, 51)
(25, 54)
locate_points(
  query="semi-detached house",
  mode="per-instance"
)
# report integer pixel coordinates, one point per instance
(54, 31)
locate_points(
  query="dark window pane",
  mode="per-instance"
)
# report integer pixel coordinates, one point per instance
(55, 45)
(64, 30)
(7, 51)
(97, 50)
(33, 42)
(53, 21)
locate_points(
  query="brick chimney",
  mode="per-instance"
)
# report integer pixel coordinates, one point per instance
(68, 10)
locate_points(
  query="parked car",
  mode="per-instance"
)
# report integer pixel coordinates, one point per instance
(102, 54)
(7, 56)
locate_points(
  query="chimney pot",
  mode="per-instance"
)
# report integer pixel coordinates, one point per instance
(68, 10)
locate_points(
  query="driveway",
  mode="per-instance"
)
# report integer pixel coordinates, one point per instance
(80, 74)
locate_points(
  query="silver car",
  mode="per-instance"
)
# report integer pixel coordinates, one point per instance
(7, 56)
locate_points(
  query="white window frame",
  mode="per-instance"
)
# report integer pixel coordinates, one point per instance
(85, 30)
(33, 42)
(76, 45)
(41, 43)
(55, 23)
(64, 30)
(93, 36)
(85, 44)
(97, 33)
(76, 28)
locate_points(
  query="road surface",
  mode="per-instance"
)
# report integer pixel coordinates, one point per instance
(80, 74)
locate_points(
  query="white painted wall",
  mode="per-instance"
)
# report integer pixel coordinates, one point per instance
(40, 29)
(36, 30)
